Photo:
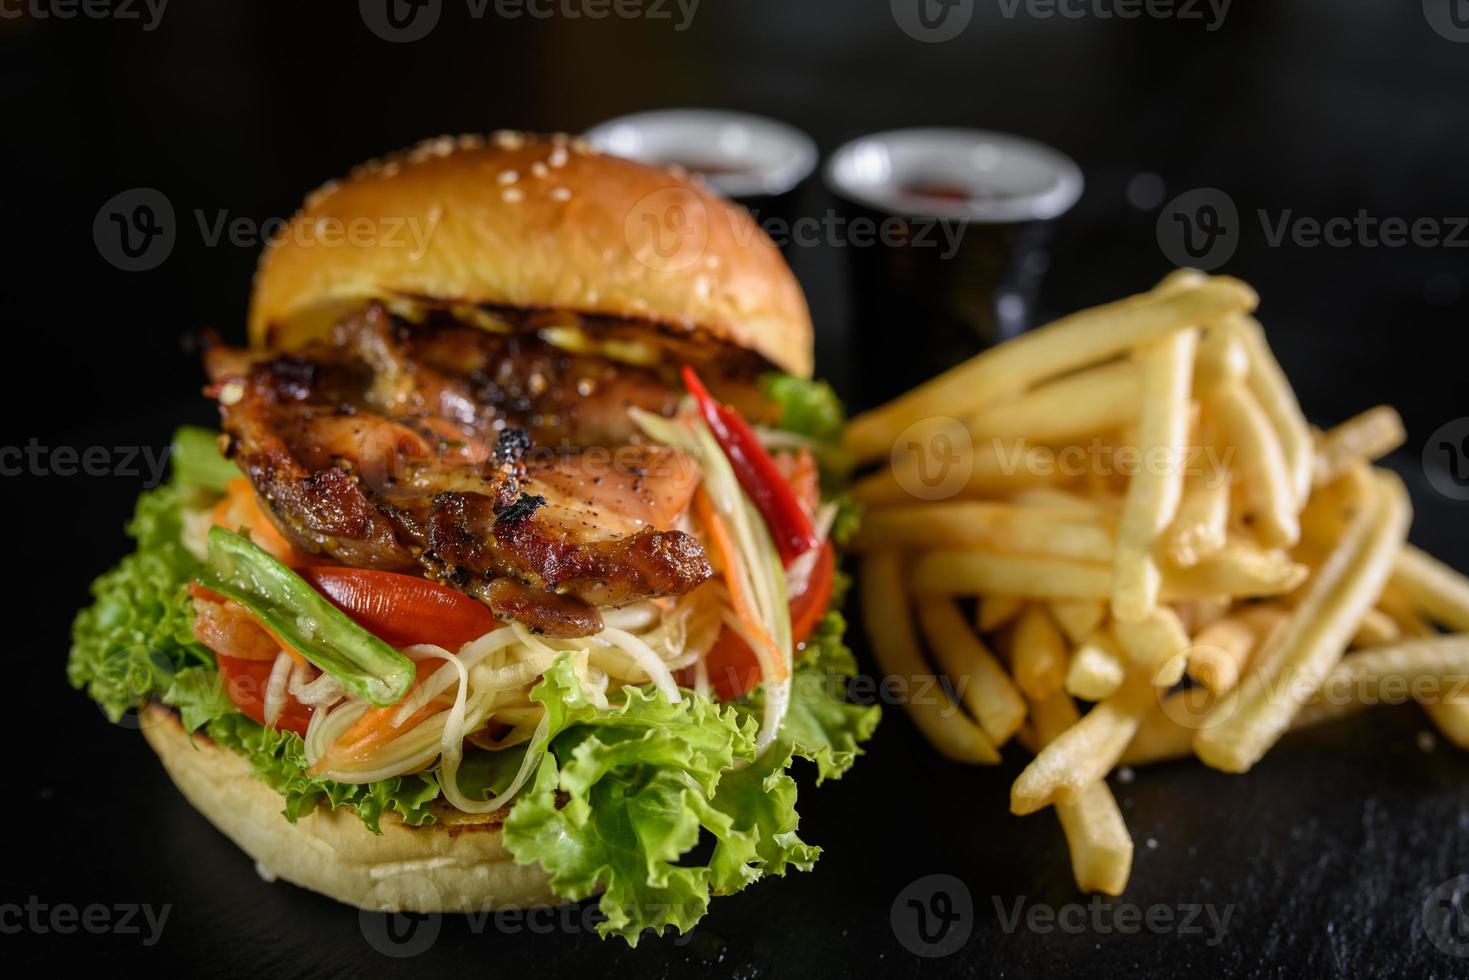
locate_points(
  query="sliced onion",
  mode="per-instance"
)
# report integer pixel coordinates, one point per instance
(643, 654)
(275, 687)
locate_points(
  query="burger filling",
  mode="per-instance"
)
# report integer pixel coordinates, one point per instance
(539, 571)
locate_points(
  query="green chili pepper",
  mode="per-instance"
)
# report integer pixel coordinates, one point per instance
(302, 618)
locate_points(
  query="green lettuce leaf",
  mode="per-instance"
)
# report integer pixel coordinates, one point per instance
(807, 408)
(198, 694)
(811, 409)
(138, 633)
(197, 460)
(821, 725)
(279, 758)
(621, 797)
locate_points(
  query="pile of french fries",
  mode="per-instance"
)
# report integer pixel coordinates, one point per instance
(1242, 575)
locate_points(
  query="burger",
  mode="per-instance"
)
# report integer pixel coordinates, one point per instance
(508, 578)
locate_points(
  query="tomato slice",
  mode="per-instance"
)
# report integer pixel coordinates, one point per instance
(403, 609)
(245, 682)
(733, 667)
(808, 608)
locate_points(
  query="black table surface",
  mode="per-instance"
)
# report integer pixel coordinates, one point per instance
(1320, 862)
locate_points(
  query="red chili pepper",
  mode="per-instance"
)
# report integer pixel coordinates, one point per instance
(789, 524)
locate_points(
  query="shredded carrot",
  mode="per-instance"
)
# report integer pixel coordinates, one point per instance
(375, 728)
(240, 508)
(729, 560)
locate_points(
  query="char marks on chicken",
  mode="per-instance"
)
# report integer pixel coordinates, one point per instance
(496, 464)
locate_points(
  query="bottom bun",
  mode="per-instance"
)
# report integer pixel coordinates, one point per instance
(459, 864)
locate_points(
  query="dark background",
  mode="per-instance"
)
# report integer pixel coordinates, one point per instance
(1326, 852)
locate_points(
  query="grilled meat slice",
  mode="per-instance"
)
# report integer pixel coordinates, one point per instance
(448, 484)
(543, 612)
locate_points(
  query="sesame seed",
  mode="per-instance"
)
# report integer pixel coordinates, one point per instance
(539, 169)
(508, 177)
(508, 139)
(512, 195)
(560, 194)
(557, 157)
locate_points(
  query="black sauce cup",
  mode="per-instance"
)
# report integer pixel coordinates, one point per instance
(945, 236)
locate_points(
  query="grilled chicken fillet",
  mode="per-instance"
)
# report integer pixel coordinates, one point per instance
(382, 450)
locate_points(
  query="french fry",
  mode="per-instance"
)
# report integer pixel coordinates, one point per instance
(1038, 654)
(1376, 629)
(975, 572)
(1451, 718)
(1000, 526)
(1404, 613)
(1098, 399)
(1078, 618)
(1201, 526)
(1240, 570)
(1427, 669)
(1222, 359)
(1067, 502)
(995, 611)
(894, 645)
(1101, 847)
(1167, 731)
(1273, 391)
(1090, 337)
(1158, 645)
(989, 695)
(1295, 660)
(1246, 431)
(1433, 588)
(1219, 653)
(996, 466)
(1095, 400)
(1264, 618)
(1195, 614)
(1361, 438)
(1096, 670)
(1085, 752)
(1154, 490)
